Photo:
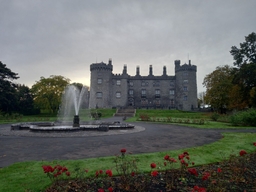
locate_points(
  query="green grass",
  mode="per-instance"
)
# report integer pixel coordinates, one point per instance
(29, 176)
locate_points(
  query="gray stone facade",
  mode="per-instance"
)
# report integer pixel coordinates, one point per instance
(110, 90)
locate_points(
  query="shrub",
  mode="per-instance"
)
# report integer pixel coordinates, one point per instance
(244, 118)
(144, 117)
(215, 116)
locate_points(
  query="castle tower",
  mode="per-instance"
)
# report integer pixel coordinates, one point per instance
(186, 86)
(101, 85)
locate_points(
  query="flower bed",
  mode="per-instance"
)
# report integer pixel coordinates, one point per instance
(238, 173)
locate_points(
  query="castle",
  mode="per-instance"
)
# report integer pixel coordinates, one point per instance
(110, 90)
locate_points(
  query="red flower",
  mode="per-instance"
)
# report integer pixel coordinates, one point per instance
(206, 176)
(86, 170)
(123, 151)
(97, 173)
(68, 173)
(173, 160)
(185, 153)
(198, 189)
(254, 143)
(110, 189)
(181, 156)
(58, 167)
(193, 163)
(242, 152)
(219, 170)
(100, 190)
(109, 173)
(64, 169)
(133, 173)
(182, 161)
(154, 173)
(166, 157)
(153, 165)
(101, 172)
(165, 163)
(187, 157)
(47, 169)
(193, 171)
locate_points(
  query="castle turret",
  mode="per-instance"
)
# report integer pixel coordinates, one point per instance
(186, 86)
(100, 89)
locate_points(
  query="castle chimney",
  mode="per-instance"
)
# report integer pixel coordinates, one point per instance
(138, 70)
(110, 61)
(164, 70)
(150, 70)
(125, 69)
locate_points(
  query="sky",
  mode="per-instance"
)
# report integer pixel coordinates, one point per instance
(40, 38)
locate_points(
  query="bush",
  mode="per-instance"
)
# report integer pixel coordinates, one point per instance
(244, 118)
(215, 116)
(144, 117)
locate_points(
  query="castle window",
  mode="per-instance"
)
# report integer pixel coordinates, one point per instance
(185, 73)
(185, 98)
(131, 83)
(99, 95)
(143, 83)
(171, 92)
(99, 81)
(131, 92)
(185, 88)
(143, 93)
(118, 82)
(185, 81)
(172, 103)
(118, 94)
(172, 84)
(157, 93)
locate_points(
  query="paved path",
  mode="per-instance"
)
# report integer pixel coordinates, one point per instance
(154, 138)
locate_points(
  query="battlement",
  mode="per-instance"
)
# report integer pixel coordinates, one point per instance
(184, 67)
(102, 66)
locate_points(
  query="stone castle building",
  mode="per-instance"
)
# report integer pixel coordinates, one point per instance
(110, 90)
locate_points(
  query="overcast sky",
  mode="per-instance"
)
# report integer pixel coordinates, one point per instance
(63, 37)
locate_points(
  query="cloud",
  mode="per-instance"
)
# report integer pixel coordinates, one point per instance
(43, 38)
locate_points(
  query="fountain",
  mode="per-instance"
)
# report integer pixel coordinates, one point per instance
(72, 100)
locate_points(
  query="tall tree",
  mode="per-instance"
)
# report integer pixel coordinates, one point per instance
(218, 85)
(47, 92)
(25, 100)
(247, 51)
(245, 61)
(8, 99)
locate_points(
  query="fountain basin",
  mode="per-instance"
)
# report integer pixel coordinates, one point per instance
(51, 127)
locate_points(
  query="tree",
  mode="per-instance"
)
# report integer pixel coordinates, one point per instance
(25, 100)
(8, 99)
(247, 52)
(47, 92)
(218, 85)
(245, 60)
